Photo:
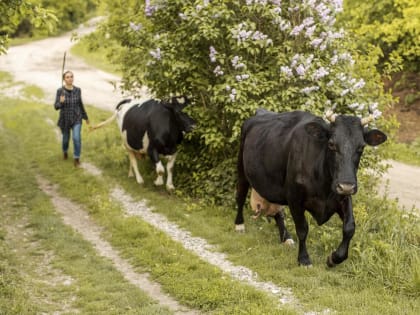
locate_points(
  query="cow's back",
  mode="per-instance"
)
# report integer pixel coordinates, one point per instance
(269, 143)
(135, 120)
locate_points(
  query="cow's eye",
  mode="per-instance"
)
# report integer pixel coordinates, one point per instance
(332, 146)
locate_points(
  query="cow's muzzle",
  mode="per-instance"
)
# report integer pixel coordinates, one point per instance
(346, 189)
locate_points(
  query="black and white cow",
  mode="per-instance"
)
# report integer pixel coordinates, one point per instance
(300, 160)
(154, 128)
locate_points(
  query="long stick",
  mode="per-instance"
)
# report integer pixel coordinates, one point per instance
(62, 73)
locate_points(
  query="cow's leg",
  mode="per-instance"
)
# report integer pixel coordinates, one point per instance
(298, 214)
(241, 193)
(284, 233)
(133, 165)
(349, 227)
(160, 170)
(169, 168)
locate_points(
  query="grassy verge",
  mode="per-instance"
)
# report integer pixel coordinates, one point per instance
(97, 57)
(407, 153)
(381, 276)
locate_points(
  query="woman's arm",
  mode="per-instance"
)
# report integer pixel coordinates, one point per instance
(57, 103)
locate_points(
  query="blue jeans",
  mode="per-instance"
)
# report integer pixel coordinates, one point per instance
(77, 140)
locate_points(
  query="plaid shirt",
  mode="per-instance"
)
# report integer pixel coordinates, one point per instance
(72, 110)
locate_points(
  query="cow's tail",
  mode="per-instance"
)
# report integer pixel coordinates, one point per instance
(110, 119)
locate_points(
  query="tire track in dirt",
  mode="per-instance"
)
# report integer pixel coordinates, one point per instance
(78, 219)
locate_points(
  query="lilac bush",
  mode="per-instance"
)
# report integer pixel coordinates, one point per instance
(233, 57)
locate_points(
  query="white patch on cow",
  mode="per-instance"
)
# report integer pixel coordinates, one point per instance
(289, 242)
(240, 227)
(133, 164)
(169, 167)
(160, 170)
(145, 143)
(123, 109)
(159, 180)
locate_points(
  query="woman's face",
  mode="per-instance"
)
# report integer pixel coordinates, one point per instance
(68, 78)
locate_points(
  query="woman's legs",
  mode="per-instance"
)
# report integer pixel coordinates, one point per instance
(65, 141)
(77, 140)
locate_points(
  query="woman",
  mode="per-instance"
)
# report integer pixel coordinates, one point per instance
(69, 101)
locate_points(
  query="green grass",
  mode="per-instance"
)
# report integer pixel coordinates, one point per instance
(97, 57)
(381, 276)
(407, 153)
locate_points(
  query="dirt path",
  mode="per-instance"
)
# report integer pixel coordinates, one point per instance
(78, 219)
(40, 63)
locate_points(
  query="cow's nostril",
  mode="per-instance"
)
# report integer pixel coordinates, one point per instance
(346, 189)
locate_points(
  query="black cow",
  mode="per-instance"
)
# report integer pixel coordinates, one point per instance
(154, 128)
(298, 159)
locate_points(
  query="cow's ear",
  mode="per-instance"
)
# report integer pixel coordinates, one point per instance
(318, 130)
(375, 137)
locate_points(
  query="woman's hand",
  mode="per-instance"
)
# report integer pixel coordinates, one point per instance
(62, 98)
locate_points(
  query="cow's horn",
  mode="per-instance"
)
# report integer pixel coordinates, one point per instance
(365, 120)
(330, 115)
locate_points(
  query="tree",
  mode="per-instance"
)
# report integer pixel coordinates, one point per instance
(393, 26)
(13, 11)
(234, 57)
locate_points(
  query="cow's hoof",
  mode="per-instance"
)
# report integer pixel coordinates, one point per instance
(140, 181)
(159, 181)
(170, 187)
(289, 242)
(240, 228)
(330, 262)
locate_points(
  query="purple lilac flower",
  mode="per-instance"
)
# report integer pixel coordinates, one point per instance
(182, 16)
(310, 31)
(361, 83)
(316, 42)
(228, 88)
(218, 71)
(334, 59)
(320, 73)
(297, 29)
(300, 70)
(232, 95)
(309, 90)
(236, 64)
(135, 27)
(149, 9)
(344, 92)
(353, 105)
(156, 54)
(287, 71)
(212, 54)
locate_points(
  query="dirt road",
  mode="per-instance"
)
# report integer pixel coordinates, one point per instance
(40, 63)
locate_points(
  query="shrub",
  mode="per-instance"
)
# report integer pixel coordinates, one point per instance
(233, 57)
